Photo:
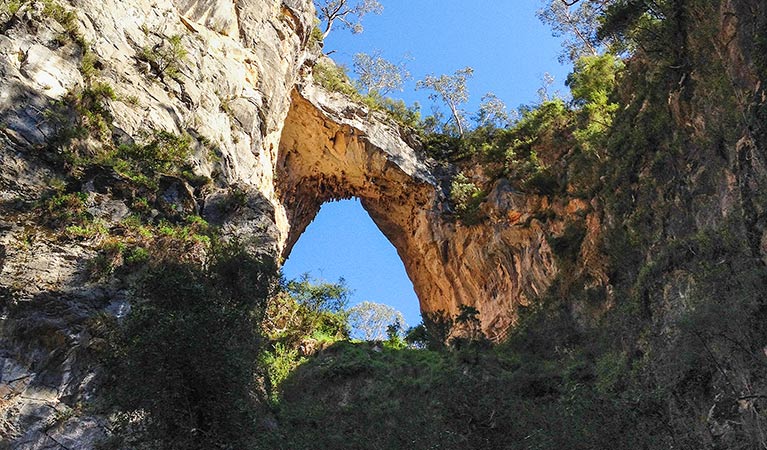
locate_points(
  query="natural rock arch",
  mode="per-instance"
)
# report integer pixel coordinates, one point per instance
(332, 149)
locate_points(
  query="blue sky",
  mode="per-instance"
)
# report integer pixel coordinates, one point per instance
(509, 49)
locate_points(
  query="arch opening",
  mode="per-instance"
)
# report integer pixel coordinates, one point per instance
(331, 149)
(343, 242)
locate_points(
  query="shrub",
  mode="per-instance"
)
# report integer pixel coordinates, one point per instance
(10, 7)
(334, 78)
(305, 309)
(401, 113)
(278, 365)
(165, 58)
(592, 83)
(467, 198)
(92, 104)
(164, 152)
(66, 209)
(197, 328)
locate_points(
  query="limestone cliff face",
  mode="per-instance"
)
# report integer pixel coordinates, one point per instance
(231, 94)
(263, 132)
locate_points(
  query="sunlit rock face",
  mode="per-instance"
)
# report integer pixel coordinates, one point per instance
(231, 93)
(332, 148)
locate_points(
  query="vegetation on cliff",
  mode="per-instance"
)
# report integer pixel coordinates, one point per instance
(217, 352)
(573, 374)
(672, 356)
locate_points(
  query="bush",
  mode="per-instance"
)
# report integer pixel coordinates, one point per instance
(592, 83)
(278, 364)
(66, 210)
(334, 78)
(467, 198)
(197, 329)
(165, 152)
(305, 309)
(167, 57)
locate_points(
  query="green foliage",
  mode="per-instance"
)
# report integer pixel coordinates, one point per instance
(395, 336)
(512, 152)
(88, 63)
(533, 393)
(334, 78)
(164, 153)
(467, 199)
(592, 84)
(197, 328)
(373, 321)
(401, 113)
(89, 230)
(305, 309)
(452, 91)
(66, 209)
(167, 57)
(467, 328)
(576, 22)
(67, 18)
(315, 37)
(52, 10)
(377, 75)
(141, 163)
(440, 331)
(278, 365)
(492, 112)
(304, 317)
(632, 21)
(82, 112)
(92, 104)
(9, 8)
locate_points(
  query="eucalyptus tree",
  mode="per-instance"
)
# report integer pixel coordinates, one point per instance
(377, 76)
(371, 321)
(348, 13)
(452, 90)
(577, 22)
(492, 112)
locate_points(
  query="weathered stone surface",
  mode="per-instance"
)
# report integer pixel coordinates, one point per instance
(231, 94)
(280, 152)
(333, 149)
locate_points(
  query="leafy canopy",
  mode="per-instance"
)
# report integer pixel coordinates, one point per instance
(371, 321)
(348, 13)
(452, 90)
(377, 76)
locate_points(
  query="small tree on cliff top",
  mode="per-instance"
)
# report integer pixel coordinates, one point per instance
(348, 13)
(577, 23)
(377, 75)
(371, 321)
(452, 90)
